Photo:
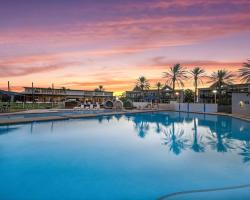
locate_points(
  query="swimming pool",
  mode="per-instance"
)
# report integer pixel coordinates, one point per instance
(133, 156)
(53, 114)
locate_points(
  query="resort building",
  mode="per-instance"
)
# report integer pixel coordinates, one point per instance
(8, 96)
(241, 103)
(209, 95)
(164, 95)
(59, 95)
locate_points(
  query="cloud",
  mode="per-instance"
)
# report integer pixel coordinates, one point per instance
(135, 33)
(161, 62)
(22, 67)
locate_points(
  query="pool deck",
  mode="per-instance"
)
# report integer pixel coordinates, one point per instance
(77, 116)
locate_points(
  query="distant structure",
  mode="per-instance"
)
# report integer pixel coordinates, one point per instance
(210, 95)
(163, 95)
(8, 96)
(207, 95)
(241, 103)
(38, 94)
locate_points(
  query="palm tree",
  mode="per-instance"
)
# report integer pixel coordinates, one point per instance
(63, 89)
(159, 85)
(100, 88)
(197, 74)
(245, 72)
(220, 79)
(175, 75)
(142, 83)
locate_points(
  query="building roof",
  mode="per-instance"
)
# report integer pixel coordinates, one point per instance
(231, 86)
(74, 90)
(9, 93)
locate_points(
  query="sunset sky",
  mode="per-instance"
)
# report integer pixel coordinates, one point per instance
(81, 44)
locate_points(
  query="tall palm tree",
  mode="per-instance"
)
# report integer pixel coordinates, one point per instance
(100, 88)
(142, 83)
(159, 85)
(197, 73)
(245, 72)
(220, 79)
(175, 75)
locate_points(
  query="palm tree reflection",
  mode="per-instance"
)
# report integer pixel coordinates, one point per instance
(142, 128)
(158, 128)
(198, 145)
(219, 142)
(245, 151)
(175, 140)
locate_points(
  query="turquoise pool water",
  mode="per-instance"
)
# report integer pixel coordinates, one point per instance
(51, 114)
(139, 156)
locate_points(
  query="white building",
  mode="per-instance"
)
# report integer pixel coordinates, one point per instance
(241, 103)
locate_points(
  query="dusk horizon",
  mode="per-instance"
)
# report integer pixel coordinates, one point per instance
(82, 44)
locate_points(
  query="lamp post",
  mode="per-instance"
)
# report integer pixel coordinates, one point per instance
(33, 97)
(178, 96)
(215, 99)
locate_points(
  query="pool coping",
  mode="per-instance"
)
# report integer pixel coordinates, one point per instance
(67, 117)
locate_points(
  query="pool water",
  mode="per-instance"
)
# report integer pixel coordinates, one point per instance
(52, 114)
(135, 156)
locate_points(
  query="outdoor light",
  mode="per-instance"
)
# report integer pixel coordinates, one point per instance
(215, 92)
(177, 93)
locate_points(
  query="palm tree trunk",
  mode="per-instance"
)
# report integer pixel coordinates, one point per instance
(195, 92)
(158, 95)
(174, 89)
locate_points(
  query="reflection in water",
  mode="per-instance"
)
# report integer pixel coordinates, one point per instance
(158, 128)
(198, 145)
(7, 129)
(199, 133)
(174, 139)
(181, 132)
(219, 142)
(245, 152)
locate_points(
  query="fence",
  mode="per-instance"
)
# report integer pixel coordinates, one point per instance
(15, 106)
(185, 107)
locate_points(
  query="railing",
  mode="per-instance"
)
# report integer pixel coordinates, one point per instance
(15, 106)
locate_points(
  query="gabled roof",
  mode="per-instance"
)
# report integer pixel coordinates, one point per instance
(166, 87)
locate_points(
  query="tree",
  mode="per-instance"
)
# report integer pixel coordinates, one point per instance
(245, 72)
(159, 85)
(175, 75)
(127, 103)
(220, 79)
(142, 83)
(188, 96)
(100, 88)
(197, 74)
(63, 89)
